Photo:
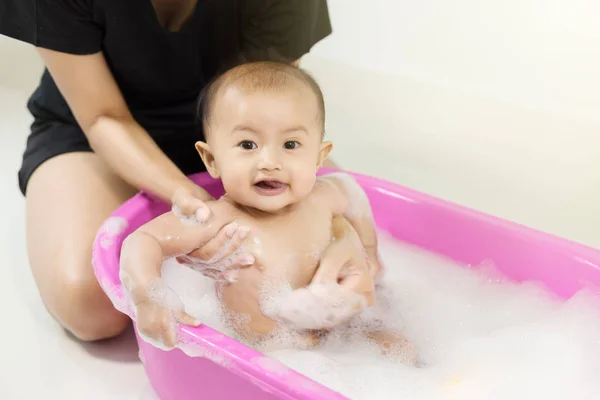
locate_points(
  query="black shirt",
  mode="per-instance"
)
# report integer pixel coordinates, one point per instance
(160, 72)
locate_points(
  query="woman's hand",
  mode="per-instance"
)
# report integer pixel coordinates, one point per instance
(101, 111)
(222, 256)
(188, 203)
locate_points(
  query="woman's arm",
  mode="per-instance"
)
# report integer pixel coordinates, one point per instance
(91, 92)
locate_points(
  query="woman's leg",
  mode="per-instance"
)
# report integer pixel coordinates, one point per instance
(68, 198)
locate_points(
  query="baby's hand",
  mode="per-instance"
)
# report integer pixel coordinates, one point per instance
(374, 262)
(158, 312)
(158, 324)
(222, 257)
(341, 288)
(321, 306)
(224, 271)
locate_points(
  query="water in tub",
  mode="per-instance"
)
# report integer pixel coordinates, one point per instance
(480, 337)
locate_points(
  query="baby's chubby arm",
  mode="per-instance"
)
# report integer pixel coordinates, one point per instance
(340, 289)
(346, 197)
(157, 308)
(144, 251)
(343, 283)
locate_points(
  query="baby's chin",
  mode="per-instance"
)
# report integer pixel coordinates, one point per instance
(270, 207)
(267, 205)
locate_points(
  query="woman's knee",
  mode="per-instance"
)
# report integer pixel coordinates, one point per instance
(68, 198)
(81, 307)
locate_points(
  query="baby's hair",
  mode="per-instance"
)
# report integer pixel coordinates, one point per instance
(262, 75)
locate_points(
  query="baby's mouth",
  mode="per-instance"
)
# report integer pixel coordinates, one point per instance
(270, 185)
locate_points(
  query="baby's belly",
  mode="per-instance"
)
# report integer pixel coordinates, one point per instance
(242, 302)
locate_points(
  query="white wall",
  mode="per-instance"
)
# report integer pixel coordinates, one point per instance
(491, 104)
(20, 68)
(495, 105)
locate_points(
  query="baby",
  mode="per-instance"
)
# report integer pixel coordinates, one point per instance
(264, 128)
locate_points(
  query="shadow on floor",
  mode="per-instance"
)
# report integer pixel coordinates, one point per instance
(123, 348)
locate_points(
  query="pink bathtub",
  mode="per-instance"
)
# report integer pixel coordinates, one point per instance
(212, 366)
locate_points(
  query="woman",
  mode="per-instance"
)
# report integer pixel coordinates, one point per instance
(114, 114)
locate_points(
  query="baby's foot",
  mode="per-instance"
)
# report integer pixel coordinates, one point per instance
(396, 346)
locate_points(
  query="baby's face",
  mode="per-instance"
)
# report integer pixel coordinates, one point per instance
(267, 146)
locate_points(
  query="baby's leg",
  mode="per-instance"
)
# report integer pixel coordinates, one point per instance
(395, 345)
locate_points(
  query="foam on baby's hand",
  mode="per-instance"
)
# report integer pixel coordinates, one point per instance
(159, 292)
(320, 306)
(167, 304)
(189, 220)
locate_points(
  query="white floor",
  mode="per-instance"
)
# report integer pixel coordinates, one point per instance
(40, 361)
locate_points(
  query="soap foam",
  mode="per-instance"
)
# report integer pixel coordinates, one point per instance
(189, 220)
(319, 306)
(477, 336)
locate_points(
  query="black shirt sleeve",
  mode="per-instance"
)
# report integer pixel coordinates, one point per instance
(283, 30)
(62, 25)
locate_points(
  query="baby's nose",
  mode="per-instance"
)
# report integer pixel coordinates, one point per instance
(269, 160)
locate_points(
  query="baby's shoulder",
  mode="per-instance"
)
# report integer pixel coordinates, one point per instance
(325, 193)
(222, 207)
(322, 187)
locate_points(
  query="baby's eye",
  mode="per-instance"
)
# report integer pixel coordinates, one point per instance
(291, 145)
(247, 145)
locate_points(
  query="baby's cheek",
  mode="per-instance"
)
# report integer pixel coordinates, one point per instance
(235, 182)
(303, 183)
(233, 186)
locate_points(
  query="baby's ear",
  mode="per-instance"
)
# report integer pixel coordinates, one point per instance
(324, 152)
(208, 158)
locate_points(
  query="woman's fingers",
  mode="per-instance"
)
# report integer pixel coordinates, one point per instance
(211, 273)
(220, 251)
(218, 275)
(190, 205)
